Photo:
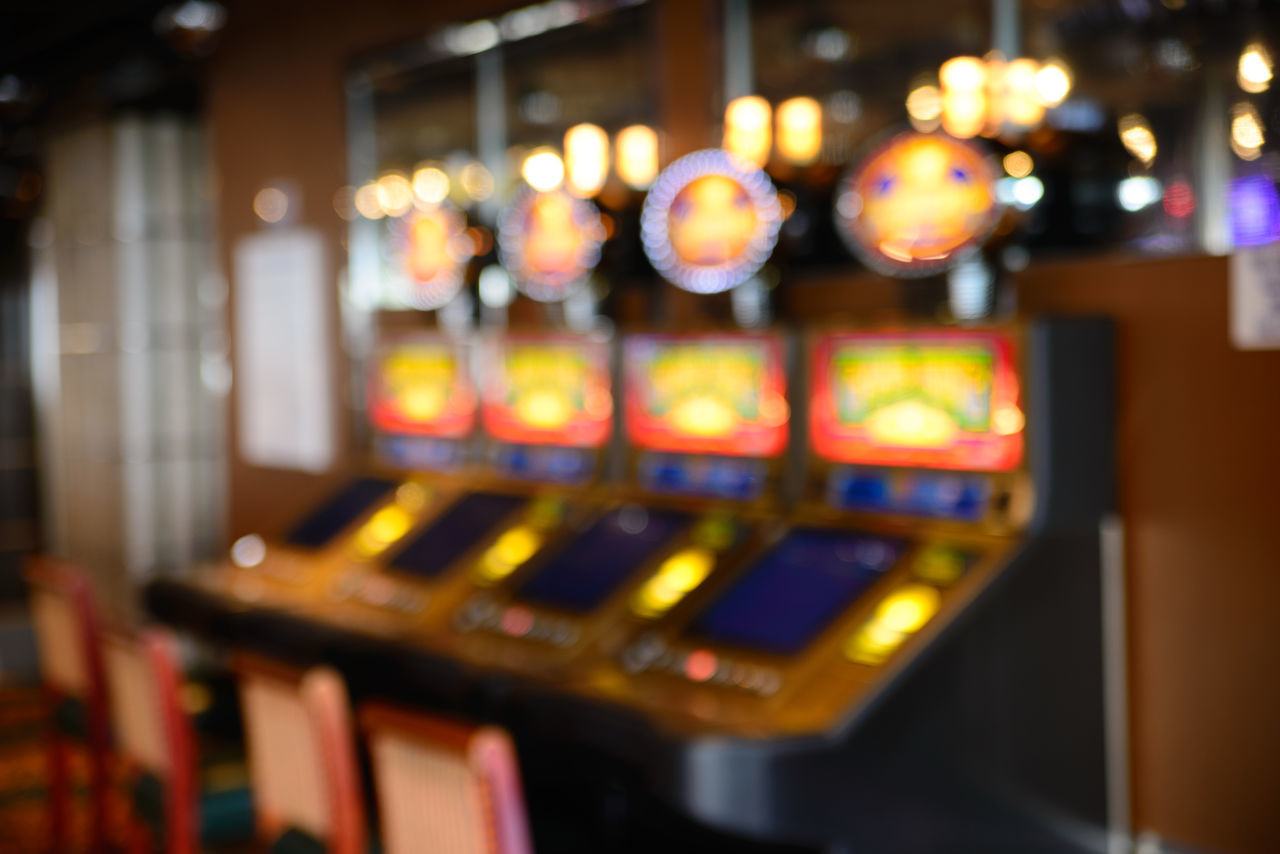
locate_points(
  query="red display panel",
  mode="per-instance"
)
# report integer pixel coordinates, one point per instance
(707, 394)
(420, 386)
(943, 399)
(547, 390)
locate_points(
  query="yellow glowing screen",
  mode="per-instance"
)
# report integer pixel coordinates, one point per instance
(548, 390)
(420, 386)
(722, 394)
(945, 399)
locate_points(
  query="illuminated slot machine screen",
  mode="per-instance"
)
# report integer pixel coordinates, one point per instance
(457, 529)
(339, 511)
(420, 396)
(593, 565)
(796, 589)
(706, 411)
(547, 403)
(948, 401)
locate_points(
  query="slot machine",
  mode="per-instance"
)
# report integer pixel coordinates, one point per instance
(422, 412)
(913, 661)
(707, 426)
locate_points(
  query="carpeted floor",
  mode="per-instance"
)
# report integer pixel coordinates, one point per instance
(23, 813)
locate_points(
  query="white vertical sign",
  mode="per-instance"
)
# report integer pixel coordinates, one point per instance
(1255, 297)
(283, 373)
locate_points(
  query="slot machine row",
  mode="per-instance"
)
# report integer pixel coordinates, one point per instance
(793, 657)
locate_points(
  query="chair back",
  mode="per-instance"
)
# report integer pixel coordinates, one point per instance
(302, 762)
(153, 732)
(444, 786)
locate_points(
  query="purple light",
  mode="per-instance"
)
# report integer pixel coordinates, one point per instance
(1255, 210)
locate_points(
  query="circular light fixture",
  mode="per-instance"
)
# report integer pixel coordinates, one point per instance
(710, 221)
(549, 242)
(430, 250)
(917, 202)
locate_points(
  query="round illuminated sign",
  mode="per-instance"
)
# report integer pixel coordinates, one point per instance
(710, 221)
(916, 203)
(549, 242)
(430, 251)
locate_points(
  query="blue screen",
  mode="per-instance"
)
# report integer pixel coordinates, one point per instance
(453, 532)
(796, 589)
(592, 565)
(339, 511)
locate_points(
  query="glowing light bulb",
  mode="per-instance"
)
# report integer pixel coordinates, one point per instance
(366, 202)
(799, 122)
(747, 131)
(1137, 137)
(1254, 72)
(476, 181)
(586, 159)
(964, 96)
(1018, 164)
(394, 194)
(637, 156)
(430, 185)
(1247, 134)
(924, 106)
(271, 204)
(543, 170)
(1020, 102)
(1053, 83)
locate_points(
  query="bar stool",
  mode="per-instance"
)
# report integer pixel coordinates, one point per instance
(183, 794)
(302, 758)
(68, 637)
(444, 787)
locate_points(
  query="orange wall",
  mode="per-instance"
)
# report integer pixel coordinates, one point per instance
(1199, 460)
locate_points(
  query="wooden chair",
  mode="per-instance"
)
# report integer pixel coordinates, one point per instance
(68, 636)
(182, 796)
(444, 787)
(302, 758)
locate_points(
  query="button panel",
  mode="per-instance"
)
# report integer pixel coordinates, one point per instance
(516, 621)
(700, 665)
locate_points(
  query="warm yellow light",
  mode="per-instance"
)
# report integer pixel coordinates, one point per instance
(1053, 83)
(1008, 420)
(514, 547)
(543, 170)
(799, 130)
(383, 528)
(964, 114)
(1255, 69)
(911, 424)
(270, 204)
(908, 608)
(1137, 137)
(1020, 102)
(430, 185)
(476, 181)
(899, 615)
(586, 159)
(963, 74)
(395, 194)
(366, 202)
(637, 156)
(924, 103)
(1018, 164)
(677, 575)
(703, 415)
(1247, 133)
(747, 131)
